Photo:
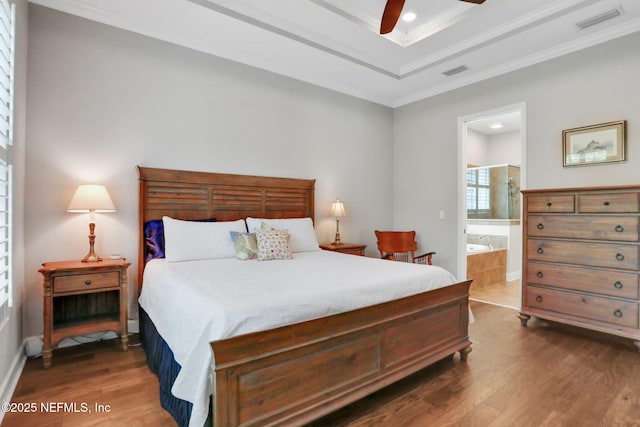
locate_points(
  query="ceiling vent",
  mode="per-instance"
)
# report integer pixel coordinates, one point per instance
(456, 70)
(610, 14)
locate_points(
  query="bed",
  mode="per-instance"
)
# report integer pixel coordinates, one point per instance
(298, 372)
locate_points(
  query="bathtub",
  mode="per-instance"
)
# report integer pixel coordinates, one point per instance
(475, 248)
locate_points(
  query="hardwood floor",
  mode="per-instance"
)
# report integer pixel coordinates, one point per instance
(506, 294)
(543, 375)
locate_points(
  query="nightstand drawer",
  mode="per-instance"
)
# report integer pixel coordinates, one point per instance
(86, 282)
(618, 312)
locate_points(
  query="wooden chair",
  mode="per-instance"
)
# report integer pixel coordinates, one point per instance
(401, 246)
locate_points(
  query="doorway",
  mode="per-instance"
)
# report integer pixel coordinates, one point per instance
(492, 171)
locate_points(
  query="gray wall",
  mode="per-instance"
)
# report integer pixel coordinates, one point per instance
(103, 100)
(592, 86)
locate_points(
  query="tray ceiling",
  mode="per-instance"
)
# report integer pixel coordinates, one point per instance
(335, 43)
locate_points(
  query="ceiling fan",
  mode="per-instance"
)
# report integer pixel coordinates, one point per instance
(392, 12)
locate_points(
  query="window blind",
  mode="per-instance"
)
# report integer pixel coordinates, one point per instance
(7, 47)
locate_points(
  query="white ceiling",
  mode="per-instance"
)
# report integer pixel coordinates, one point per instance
(335, 44)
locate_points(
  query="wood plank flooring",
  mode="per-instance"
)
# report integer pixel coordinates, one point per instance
(506, 294)
(543, 375)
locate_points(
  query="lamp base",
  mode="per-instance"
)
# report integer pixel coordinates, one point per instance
(91, 256)
(337, 240)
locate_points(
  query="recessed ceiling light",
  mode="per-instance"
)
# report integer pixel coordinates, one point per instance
(409, 17)
(496, 126)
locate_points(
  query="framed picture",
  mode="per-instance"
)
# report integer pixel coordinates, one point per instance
(588, 145)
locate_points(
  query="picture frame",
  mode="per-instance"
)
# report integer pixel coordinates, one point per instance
(595, 144)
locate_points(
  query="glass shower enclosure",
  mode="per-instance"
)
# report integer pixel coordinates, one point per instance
(493, 192)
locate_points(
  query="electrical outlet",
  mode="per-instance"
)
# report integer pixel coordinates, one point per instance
(441, 214)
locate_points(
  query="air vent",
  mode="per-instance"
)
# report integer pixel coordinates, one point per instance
(456, 70)
(610, 14)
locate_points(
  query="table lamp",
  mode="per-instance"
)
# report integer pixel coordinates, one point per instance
(91, 198)
(337, 210)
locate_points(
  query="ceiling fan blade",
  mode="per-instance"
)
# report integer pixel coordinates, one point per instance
(474, 1)
(390, 15)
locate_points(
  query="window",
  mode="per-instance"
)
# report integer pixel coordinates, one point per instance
(7, 46)
(478, 194)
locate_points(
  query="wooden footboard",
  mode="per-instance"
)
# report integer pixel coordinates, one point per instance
(297, 373)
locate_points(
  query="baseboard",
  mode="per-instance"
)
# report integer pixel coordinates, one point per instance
(514, 275)
(10, 381)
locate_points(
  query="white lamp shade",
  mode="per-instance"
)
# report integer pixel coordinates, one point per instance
(91, 197)
(337, 209)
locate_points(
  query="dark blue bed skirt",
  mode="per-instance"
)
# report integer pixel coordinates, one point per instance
(162, 363)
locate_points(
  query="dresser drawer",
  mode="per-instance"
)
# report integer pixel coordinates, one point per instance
(581, 253)
(84, 282)
(597, 227)
(606, 282)
(615, 202)
(607, 310)
(552, 203)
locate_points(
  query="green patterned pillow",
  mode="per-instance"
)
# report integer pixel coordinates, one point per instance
(245, 245)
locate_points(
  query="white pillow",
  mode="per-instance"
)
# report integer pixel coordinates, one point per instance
(303, 236)
(191, 240)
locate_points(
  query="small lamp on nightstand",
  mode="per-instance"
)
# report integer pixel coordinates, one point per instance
(337, 210)
(91, 198)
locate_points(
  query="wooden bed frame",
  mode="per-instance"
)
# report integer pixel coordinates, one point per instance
(294, 374)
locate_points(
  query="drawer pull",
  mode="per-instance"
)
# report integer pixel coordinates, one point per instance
(617, 313)
(619, 257)
(540, 226)
(549, 203)
(606, 203)
(87, 282)
(541, 251)
(619, 228)
(539, 298)
(539, 274)
(618, 285)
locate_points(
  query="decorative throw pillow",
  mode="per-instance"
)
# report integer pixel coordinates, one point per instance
(245, 244)
(272, 244)
(302, 234)
(153, 239)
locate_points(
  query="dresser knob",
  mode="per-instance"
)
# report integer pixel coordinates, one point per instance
(549, 203)
(539, 274)
(539, 298)
(618, 285)
(87, 282)
(540, 226)
(619, 228)
(540, 251)
(619, 257)
(617, 313)
(606, 203)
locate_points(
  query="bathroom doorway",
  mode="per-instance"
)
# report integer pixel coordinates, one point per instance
(492, 170)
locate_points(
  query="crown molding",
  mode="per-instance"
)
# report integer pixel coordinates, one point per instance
(587, 41)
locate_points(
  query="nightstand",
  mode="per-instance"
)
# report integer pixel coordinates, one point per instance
(345, 248)
(81, 298)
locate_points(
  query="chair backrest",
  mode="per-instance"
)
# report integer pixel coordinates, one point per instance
(397, 245)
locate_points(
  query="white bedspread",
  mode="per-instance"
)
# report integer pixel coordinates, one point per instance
(194, 302)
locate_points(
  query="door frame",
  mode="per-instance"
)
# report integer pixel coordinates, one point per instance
(462, 172)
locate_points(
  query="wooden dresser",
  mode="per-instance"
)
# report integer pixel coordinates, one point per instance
(581, 258)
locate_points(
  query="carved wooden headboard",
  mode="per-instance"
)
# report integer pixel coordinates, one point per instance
(226, 197)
